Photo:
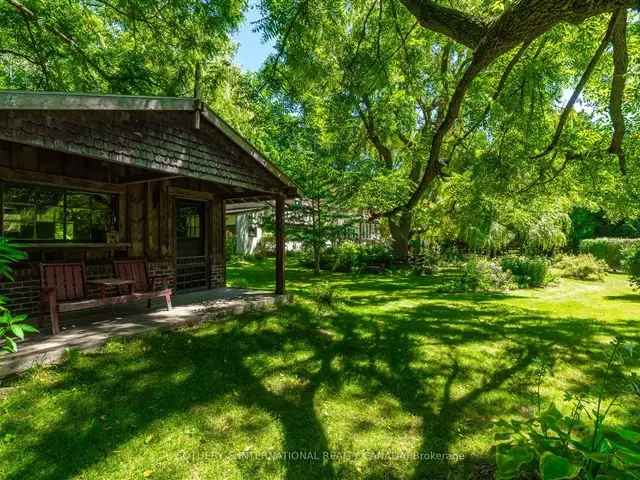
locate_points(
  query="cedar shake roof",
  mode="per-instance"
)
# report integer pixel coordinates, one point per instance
(181, 136)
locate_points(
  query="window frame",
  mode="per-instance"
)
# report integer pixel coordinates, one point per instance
(113, 216)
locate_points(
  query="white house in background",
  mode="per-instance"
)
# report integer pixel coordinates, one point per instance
(244, 221)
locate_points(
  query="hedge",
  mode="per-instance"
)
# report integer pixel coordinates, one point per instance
(611, 250)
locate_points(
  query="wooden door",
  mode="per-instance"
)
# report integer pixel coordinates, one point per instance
(192, 262)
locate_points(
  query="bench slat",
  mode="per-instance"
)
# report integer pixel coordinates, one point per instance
(101, 302)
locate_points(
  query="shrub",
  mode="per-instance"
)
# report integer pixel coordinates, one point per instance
(582, 267)
(611, 250)
(425, 263)
(11, 326)
(528, 271)
(480, 274)
(323, 294)
(346, 257)
(632, 265)
(350, 257)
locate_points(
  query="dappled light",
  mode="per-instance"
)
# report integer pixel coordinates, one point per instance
(412, 372)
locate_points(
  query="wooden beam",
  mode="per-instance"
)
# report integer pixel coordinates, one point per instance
(150, 180)
(280, 246)
(39, 178)
(223, 239)
(191, 194)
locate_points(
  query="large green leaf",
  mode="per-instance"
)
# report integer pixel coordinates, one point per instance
(555, 467)
(510, 459)
(16, 329)
(27, 328)
(626, 434)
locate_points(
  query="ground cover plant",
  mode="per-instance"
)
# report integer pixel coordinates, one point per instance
(397, 379)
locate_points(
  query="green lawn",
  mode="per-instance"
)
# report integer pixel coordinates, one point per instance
(395, 371)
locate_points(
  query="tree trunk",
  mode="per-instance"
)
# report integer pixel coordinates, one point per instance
(400, 229)
(316, 259)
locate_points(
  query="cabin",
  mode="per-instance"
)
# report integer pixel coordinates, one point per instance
(96, 179)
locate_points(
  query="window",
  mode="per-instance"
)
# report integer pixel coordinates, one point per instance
(34, 213)
(188, 222)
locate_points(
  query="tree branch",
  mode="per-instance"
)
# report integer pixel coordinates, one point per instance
(620, 66)
(4, 51)
(524, 19)
(459, 26)
(367, 119)
(497, 92)
(580, 87)
(434, 165)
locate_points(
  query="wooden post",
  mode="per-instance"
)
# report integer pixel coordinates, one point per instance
(197, 94)
(197, 87)
(280, 245)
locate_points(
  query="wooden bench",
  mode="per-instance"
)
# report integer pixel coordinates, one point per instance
(64, 289)
(136, 270)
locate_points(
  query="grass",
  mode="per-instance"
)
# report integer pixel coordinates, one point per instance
(395, 371)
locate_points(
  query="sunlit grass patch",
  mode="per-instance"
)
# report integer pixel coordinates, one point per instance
(373, 386)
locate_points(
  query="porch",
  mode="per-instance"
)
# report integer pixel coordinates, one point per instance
(88, 330)
(88, 181)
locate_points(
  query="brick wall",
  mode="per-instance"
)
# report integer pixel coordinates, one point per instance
(166, 272)
(218, 274)
(23, 294)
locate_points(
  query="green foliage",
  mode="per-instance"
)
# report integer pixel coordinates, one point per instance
(528, 271)
(595, 224)
(558, 446)
(9, 254)
(324, 294)
(350, 256)
(632, 265)
(582, 267)
(547, 233)
(12, 327)
(491, 240)
(482, 275)
(137, 47)
(425, 263)
(611, 250)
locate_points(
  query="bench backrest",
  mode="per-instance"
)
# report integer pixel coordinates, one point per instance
(135, 270)
(68, 279)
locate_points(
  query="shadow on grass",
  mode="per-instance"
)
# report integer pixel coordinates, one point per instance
(386, 354)
(624, 298)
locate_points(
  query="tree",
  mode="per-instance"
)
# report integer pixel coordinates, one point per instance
(291, 138)
(520, 24)
(483, 33)
(381, 110)
(115, 46)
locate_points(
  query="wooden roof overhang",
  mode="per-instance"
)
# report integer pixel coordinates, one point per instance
(171, 136)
